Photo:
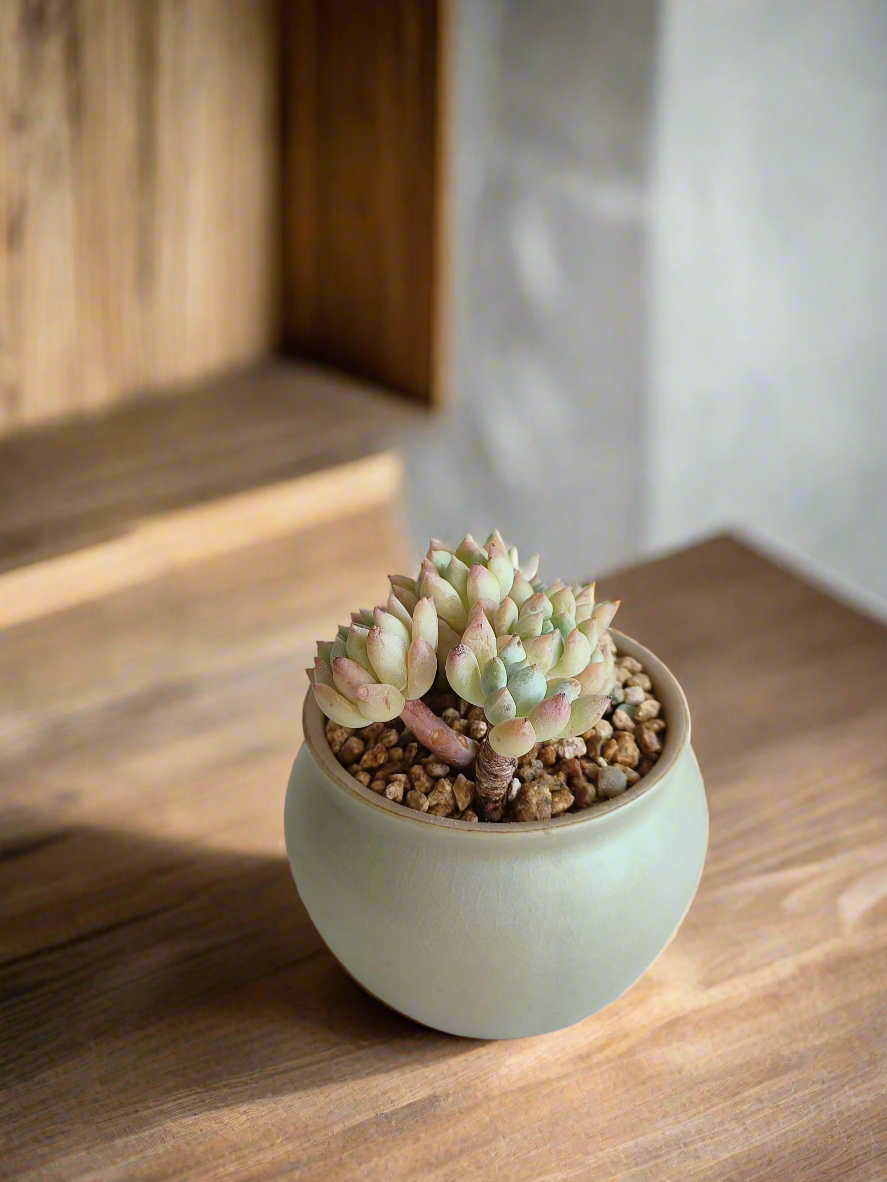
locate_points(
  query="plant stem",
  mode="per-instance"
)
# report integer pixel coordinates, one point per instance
(455, 749)
(492, 775)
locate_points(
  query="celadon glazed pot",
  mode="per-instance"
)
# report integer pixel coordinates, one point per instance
(504, 930)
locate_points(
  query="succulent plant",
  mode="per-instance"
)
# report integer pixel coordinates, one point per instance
(538, 659)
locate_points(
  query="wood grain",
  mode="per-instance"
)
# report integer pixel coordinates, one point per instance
(78, 484)
(363, 187)
(139, 197)
(168, 1011)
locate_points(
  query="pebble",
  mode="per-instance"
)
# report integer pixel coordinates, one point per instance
(561, 800)
(442, 799)
(436, 769)
(336, 736)
(648, 740)
(611, 782)
(533, 802)
(617, 695)
(548, 754)
(515, 786)
(584, 793)
(419, 778)
(374, 757)
(417, 800)
(622, 749)
(351, 750)
(389, 737)
(622, 718)
(372, 732)
(395, 790)
(634, 695)
(632, 664)
(641, 680)
(450, 716)
(362, 777)
(648, 709)
(570, 748)
(478, 728)
(463, 790)
(468, 815)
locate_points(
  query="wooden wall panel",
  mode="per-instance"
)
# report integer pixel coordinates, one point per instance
(362, 194)
(139, 197)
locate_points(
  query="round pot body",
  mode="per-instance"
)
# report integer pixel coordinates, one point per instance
(499, 931)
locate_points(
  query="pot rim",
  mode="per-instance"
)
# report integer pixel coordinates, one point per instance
(677, 741)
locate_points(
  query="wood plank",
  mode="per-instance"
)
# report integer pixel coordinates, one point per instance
(362, 182)
(79, 484)
(168, 1011)
(139, 198)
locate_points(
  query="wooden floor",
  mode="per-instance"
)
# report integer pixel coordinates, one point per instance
(168, 1011)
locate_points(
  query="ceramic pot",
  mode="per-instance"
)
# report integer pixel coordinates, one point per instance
(499, 931)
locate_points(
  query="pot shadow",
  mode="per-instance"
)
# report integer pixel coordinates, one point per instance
(143, 978)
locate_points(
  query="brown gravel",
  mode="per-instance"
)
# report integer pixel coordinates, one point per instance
(554, 779)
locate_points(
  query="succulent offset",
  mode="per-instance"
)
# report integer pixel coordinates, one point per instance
(537, 658)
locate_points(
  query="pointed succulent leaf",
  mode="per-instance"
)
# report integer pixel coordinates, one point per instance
(324, 649)
(496, 537)
(421, 668)
(550, 717)
(537, 602)
(439, 558)
(511, 650)
(397, 609)
(390, 623)
(588, 628)
(527, 686)
(501, 566)
(447, 639)
(479, 636)
(469, 552)
(529, 624)
(364, 617)
(463, 674)
(505, 616)
(403, 581)
(493, 676)
(521, 589)
(570, 687)
(388, 656)
(379, 702)
(425, 621)
(513, 555)
(512, 738)
(456, 574)
(593, 678)
(322, 674)
(348, 677)
(575, 657)
(446, 599)
(407, 597)
(604, 613)
(563, 602)
(585, 712)
(565, 625)
(338, 649)
(356, 645)
(544, 651)
(337, 707)
(530, 568)
(499, 706)
(482, 584)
